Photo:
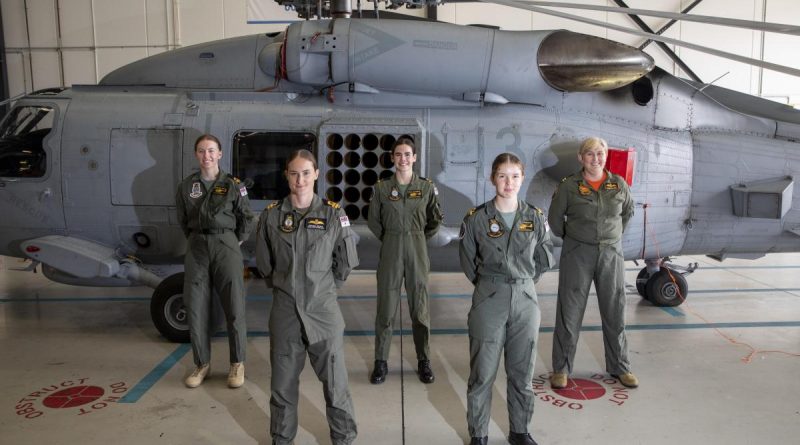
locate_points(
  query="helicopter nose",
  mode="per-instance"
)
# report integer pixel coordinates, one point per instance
(571, 61)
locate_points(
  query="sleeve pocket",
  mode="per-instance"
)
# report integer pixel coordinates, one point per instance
(352, 253)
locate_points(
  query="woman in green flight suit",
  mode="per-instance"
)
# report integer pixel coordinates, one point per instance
(304, 246)
(505, 248)
(214, 213)
(590, 210)
(403, 214)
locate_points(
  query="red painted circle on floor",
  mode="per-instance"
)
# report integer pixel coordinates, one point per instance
(581, 389)
(72, 397)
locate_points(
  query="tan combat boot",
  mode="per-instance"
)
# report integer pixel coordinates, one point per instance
(197, 376)
(627, 379)
(558, 380)
(236, 375)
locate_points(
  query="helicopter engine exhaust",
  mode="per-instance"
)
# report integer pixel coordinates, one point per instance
(570, 61)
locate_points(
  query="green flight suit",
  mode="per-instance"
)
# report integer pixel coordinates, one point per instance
(503, 263)
(301, 255)
(591, 224)
(214, 220)
(403, 222)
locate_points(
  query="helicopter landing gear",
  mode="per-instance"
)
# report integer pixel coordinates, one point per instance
(170, 315)
(664, 284)
(168, 311)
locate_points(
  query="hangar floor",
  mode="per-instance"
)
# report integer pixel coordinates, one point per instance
(707, 368)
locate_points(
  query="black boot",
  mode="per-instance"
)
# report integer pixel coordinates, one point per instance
(520, 439)
(379, 372)
(425, 372)
(479, 440)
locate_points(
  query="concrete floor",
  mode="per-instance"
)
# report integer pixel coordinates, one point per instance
(696, 386)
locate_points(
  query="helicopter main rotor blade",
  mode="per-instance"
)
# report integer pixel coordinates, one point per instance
(747, 60)
(706, 19)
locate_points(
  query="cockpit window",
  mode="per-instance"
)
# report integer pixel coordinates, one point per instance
(22, 133)
(261, 157)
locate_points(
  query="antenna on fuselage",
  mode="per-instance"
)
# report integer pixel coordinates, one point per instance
(713, 81)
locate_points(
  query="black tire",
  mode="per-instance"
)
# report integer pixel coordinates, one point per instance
(168, 311)
(667, 288)
(641, 282)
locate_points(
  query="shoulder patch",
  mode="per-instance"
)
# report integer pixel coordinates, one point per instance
(533, 207)
(333, 204)
(272, 205)
(474, 210)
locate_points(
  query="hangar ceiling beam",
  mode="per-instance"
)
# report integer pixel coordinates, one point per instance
(669, 24)
(669, 52)
(756, 25)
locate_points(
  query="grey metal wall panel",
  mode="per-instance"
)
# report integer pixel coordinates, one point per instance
(725, 159)
(673, 107)
(144, 163)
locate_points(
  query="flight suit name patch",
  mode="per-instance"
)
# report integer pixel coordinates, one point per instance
(220, 190)
(526, 226)
(612, 186)
(316, 223)
(495, 231)
(414, 194)
(197, 191)
(583, 190)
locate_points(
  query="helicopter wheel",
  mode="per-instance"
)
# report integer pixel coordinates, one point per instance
(666, 287)
(641, 282)
(168, 311)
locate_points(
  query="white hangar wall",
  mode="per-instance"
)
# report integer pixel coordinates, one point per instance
(51, 43)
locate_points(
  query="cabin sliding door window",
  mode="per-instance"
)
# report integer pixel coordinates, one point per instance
(22, 134)
(260, 157)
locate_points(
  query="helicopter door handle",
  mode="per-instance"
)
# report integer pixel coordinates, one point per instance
(46, 193)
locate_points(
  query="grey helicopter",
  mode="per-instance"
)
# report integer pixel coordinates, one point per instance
(88, 173)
